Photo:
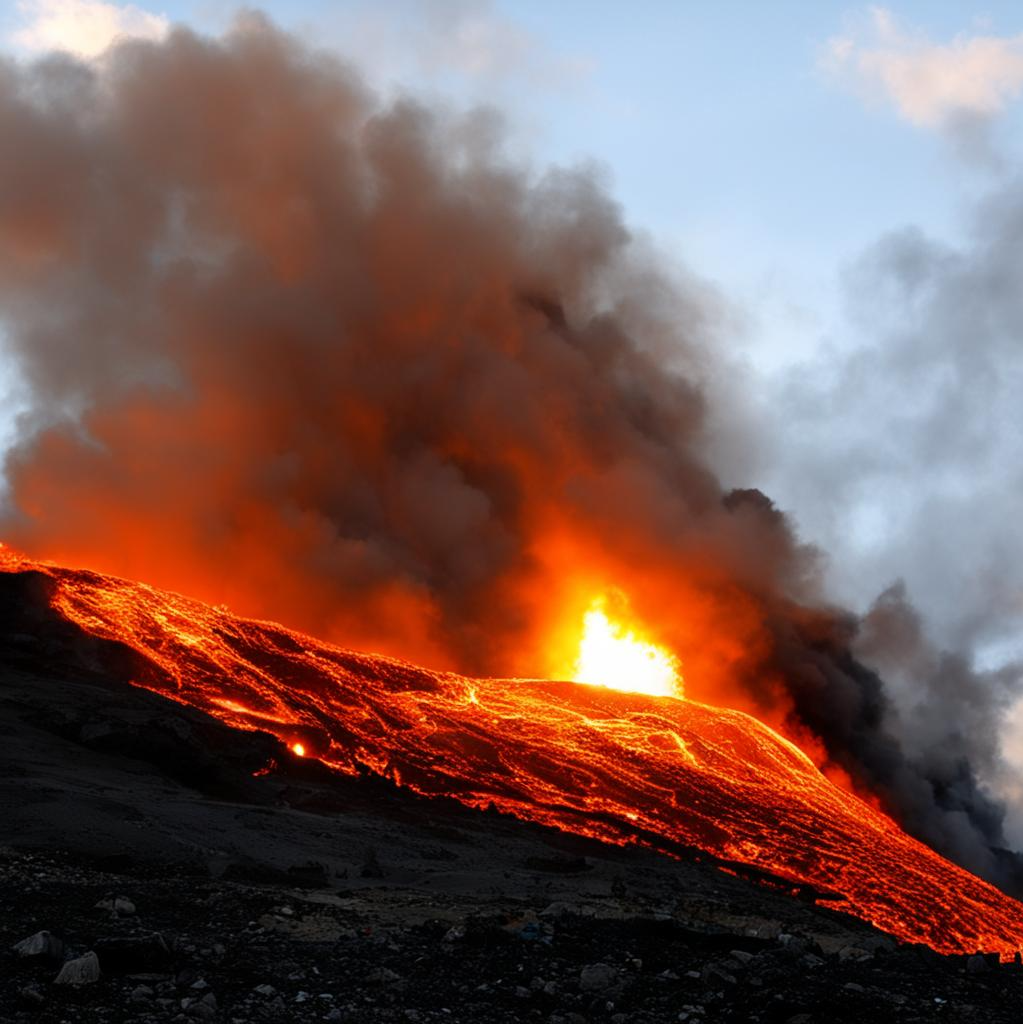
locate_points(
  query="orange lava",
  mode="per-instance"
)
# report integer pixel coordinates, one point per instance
(623, 767)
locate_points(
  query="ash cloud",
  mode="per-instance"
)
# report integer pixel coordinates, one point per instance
(903, 452)
(902, 456)
(343, 364)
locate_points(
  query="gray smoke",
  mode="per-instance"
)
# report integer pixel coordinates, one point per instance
(903, 458)
(343, 364)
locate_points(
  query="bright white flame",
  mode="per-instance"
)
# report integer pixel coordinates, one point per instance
(612, 655)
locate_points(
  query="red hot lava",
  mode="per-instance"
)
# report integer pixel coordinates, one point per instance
(621, 767)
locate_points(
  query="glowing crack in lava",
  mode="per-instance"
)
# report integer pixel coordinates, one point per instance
(612, 655)
(622, 767)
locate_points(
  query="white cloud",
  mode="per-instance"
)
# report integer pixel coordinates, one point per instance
(487, 53)
(83, 27)
(472, 37)
(930, 84)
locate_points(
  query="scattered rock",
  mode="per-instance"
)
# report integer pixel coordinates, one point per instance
(854, 953)
(119, 906)
(529, 928)
(714, 974)
(31, 995)
(43, 944)
(390, 967)
(977, 964)
(308, 927)
(598, 978)
(205, 1008)
(82, 971)
(383, 976)
(271, 1011)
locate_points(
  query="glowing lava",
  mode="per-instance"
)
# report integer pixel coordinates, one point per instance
(298, 748)
(672, 774)
(612, 655)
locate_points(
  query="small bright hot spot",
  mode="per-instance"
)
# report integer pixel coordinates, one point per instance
(613, 655)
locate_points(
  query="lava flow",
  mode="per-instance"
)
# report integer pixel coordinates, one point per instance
(621, 767)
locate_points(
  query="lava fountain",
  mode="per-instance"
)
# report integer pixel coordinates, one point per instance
(614, 655)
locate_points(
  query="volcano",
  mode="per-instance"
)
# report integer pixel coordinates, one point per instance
(664, 772)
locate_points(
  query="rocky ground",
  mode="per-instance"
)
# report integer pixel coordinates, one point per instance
(172, 946)
(165, 868)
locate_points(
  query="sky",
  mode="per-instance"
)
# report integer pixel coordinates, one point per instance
(723, 129)
(846, 177)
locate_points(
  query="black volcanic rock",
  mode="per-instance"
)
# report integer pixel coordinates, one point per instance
(251, 903)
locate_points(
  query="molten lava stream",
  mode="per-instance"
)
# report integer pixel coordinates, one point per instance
(623, 767)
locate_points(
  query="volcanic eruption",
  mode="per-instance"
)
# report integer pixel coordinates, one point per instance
(345, 365)
(621, 767)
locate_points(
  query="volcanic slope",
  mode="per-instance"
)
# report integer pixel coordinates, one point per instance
(614, 766)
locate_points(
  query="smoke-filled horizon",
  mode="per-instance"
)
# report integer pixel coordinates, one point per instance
(343, 364)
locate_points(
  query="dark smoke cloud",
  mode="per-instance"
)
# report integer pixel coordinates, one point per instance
(343, 364)
(902, 456)
(948, 720)
(924, 755)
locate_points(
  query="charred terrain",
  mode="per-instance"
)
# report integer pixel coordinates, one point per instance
(216, 875)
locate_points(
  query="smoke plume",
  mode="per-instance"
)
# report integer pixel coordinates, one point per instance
(345, 365)
(902, 456)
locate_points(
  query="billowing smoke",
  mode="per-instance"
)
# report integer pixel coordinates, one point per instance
(345, 365)
(902, 456)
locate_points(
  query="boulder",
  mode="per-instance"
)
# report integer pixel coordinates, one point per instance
(42, 944)
(82, 971)
(598, 978)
